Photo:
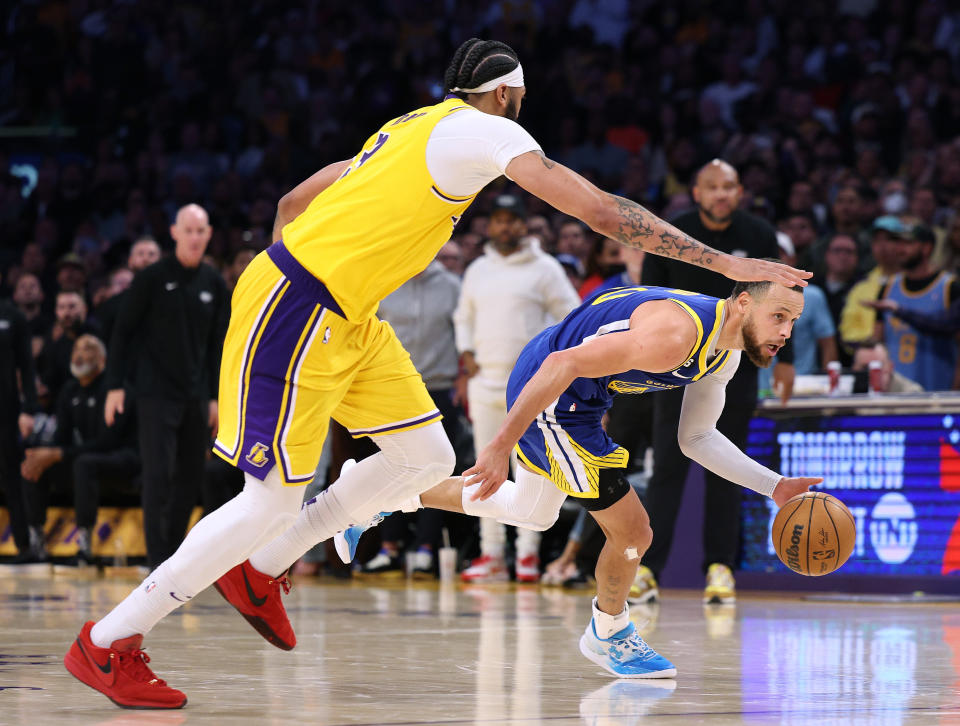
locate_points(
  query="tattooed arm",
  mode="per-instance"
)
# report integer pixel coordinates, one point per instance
(628, 222)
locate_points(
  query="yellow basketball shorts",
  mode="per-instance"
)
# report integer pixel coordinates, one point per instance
(291, 362)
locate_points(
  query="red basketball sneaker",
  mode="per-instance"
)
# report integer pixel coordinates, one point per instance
(120, 672)
(257, 598)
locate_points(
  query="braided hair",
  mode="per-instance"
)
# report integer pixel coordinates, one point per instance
(478, 61)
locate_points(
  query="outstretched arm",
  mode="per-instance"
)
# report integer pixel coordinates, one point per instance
(297, 199)
(699, 439)
(659, 339)
(628, 222)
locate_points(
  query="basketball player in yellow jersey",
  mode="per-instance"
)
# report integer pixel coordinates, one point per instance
(304, 345)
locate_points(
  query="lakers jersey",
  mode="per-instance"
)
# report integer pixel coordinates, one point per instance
(930, 360)
(383, 220)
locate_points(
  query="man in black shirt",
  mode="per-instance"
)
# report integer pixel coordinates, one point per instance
(716, 222)
(170, 332)
(16, 419)
(86, 452)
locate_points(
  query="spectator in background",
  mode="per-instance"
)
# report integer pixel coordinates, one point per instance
(801, 228)
(857, 322)
(947, 254)
(16, 417)
(573, 267)
(717, 222)
(847, 214)
(605, 261)
(930, 360)
(838, 276)
(471, 244)
(509, 295)
(53, 363)
(241, 258)
(573, 239)
(539, 227)
(143, 253)
(421, 312)
(170, 331)
(814, 334)
(890, 380)
(87, 455)
(632, 273)
(451, 257)
(71, 273)
(28, 297)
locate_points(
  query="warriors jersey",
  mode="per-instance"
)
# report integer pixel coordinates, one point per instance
(383, 220)
(930, 360)
(567, 443)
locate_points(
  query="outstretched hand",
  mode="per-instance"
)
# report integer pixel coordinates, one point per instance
(490, 471)
(788, 488)
(748, 269)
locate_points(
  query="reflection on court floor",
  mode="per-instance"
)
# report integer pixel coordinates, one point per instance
(428, 654)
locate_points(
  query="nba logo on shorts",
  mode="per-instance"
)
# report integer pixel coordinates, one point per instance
(258, 454)
(152, 586)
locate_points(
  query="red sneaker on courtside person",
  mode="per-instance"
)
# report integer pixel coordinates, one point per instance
(120, 672)
(257, 598)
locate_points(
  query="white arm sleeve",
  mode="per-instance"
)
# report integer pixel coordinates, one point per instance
(699, 439)
(469, 149)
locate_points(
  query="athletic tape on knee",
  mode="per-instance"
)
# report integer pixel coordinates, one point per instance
(631, 553)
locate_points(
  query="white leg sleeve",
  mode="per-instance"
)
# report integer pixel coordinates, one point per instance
(531, 502)
(408, 464)
(218, 542)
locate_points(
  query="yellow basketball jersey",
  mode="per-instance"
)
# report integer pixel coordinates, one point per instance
(383, 220)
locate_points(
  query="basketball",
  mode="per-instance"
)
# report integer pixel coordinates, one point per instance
(813, 533)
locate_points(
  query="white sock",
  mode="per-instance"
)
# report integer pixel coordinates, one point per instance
(218, 542)
(606, 624)
(493, 534)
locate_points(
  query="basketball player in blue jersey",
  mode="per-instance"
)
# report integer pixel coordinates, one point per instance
(626, 340)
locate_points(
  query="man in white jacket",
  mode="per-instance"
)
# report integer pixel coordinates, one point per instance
(510, 294)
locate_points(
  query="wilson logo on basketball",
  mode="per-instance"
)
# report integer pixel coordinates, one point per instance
(793, 551)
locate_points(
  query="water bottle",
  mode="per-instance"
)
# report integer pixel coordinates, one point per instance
(119, 553)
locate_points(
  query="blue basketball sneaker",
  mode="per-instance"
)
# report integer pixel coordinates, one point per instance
(346, 541)
(625, 654)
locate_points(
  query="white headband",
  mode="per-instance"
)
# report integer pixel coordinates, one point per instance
(514, 79)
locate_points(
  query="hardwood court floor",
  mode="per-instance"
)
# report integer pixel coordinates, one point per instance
(426, 654)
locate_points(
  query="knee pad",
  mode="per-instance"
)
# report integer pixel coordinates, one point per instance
(417, 459)
(532, 503)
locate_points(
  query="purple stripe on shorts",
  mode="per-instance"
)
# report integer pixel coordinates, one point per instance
(288, 410)
(268, 370)
(246, 362)
(394, 427)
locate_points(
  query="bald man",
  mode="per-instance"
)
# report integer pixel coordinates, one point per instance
(719, 222)
(166, 347)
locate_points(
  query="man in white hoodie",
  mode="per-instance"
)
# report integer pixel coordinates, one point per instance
(510, 294)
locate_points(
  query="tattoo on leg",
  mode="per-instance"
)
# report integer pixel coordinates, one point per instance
(611, 587)
(544, 160)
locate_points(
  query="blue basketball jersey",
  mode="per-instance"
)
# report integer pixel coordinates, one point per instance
(929, 360)
(566, 443)
(608, 313)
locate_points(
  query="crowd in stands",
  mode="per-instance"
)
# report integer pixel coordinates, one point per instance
(842, 119)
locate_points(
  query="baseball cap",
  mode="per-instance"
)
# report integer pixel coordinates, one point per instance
(71, 259)
(511, 203)
(891, 224)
